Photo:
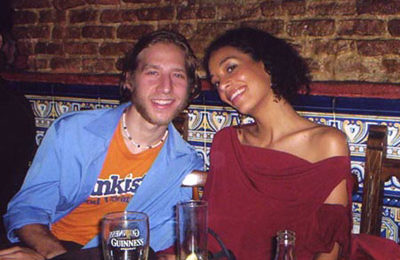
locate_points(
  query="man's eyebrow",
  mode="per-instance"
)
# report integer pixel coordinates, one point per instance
(180, 69)
(149, 66)
(154, 66)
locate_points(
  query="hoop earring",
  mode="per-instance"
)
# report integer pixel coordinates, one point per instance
(241, 118)
(276, 98)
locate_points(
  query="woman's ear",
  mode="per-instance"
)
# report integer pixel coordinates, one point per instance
(262, 65)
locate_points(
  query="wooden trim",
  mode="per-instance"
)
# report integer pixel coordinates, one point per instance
(356, 89)
(331, 88)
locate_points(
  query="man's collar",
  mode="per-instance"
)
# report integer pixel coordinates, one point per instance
(104, 127)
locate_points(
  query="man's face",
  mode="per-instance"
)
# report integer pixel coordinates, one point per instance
(160, 84)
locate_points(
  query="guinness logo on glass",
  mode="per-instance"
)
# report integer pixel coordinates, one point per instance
(126, 239)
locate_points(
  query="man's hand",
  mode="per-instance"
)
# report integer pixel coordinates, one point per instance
(164, 257)
(22, 253)
(39, 238)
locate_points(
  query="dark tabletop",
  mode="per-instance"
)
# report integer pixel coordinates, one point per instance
(91, 254)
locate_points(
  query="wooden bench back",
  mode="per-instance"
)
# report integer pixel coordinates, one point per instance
(378, 170)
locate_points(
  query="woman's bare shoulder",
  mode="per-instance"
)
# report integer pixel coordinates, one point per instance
(329, 141)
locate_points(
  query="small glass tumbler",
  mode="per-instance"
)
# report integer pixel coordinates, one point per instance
(125, 236)
(192, 230)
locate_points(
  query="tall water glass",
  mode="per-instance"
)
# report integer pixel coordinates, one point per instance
(125, 236)
(192, 230)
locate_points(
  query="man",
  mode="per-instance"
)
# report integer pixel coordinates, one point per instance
(128, 158)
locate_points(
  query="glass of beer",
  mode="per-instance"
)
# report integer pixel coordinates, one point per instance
(125, 236)
(192, 230)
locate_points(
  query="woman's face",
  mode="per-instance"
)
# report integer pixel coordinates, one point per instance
(241, 82)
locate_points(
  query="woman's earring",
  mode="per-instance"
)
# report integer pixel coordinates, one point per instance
(241, 118)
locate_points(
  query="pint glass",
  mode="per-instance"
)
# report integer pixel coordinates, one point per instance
(125, 236)
(192, 230)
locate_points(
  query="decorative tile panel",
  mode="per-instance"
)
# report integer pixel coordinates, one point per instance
(206, 119)
(46, 109)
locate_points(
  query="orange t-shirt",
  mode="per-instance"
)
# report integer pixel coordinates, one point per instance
(120, 177)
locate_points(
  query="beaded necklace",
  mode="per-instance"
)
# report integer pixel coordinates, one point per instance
(127, 135)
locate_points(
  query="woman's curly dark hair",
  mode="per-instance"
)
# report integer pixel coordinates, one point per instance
(130, 61)
(288, 71)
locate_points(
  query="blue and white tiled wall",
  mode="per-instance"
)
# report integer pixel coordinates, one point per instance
(207, 115)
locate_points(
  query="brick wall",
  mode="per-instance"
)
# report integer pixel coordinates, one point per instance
(341, 39)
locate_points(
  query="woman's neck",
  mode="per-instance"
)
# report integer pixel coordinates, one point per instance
(276, 121)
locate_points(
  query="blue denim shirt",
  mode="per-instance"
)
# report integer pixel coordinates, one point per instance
(69, 160)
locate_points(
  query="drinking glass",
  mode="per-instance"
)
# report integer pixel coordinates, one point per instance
(125, 236)
(192, 230)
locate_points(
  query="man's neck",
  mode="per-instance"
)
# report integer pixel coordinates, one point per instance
(139, 134)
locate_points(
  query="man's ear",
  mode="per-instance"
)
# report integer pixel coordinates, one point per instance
(129, 79)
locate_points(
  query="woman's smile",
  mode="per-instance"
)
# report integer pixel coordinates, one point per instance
(236, 94)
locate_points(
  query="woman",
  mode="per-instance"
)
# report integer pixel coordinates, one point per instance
(282, 171)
